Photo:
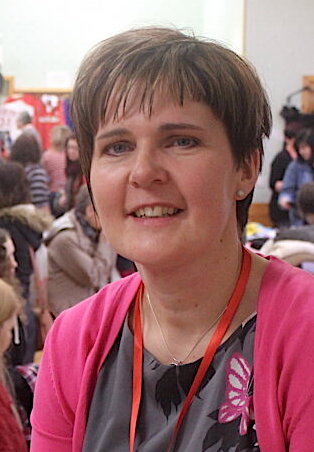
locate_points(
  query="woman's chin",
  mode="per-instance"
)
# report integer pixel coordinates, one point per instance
(150, 257)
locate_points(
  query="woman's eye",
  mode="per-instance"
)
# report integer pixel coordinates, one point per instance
(117, 148)
(184, 142)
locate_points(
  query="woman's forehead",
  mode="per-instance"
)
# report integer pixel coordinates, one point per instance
(137, 101)
(142, 90)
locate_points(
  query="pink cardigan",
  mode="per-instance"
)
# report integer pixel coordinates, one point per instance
(283, 363)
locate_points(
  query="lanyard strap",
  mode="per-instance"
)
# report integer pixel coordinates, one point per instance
(214, 343)
(137, 366)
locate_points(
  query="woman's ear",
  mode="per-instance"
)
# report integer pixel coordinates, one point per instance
(248, 174)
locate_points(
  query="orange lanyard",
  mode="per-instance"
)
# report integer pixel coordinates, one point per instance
(214, 343)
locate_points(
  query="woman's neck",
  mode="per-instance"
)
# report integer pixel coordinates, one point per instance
(196, 292)
(187, 309)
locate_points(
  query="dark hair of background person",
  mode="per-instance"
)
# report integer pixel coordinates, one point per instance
(72, 168)
(305, 137)
(25, 150)
(24, 118)
(150, 61)
(14, 186)
(305, 199)
(292, 128)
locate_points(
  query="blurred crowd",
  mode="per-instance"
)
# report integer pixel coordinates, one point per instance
(291, 168)
(53, 254)
(291, 206)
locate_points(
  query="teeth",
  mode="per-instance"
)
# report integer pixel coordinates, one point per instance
(156, 211)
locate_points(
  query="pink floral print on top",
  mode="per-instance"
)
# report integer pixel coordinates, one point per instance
(238, 400)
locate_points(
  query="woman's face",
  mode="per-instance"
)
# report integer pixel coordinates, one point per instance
(72, 150)
(6, 333)
(305, 151)
(165, 186)
(9, 245)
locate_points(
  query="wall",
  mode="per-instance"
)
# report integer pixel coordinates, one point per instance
(223, 20)
(53, 36)
(43, 39)
(279, 40)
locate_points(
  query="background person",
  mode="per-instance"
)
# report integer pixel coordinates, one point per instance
(73, 171)
(74, 177)
(8, 265)
(54, 161)
(170, 131)
(305, 203)
(80, 260)
(296, 244)
(280, 217)
(26, 151)
(8, 262)
(11, 435)
(298, 173)
(21, 377)
(26, 225)
(24, 123)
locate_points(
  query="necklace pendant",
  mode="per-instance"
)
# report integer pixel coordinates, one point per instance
(175, 362)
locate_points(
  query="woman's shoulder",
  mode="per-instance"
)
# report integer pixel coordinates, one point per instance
(284, 274)
(285, 289)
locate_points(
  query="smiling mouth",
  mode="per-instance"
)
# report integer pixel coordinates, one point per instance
(156, 211)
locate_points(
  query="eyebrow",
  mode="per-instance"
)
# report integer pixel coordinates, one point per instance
(113, 133)
(179, 126)
(164, 127)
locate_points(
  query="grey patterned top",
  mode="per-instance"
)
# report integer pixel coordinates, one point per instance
(221, 416)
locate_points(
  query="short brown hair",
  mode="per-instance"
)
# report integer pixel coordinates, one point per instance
(153, 60)
(59, 136)
(25, 149)
(14, 185)
(305, 199)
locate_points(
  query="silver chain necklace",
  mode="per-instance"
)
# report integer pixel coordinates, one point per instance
(174, 360)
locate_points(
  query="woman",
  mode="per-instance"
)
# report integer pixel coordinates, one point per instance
(11, 436)
(65, 200)
(298, 173)
(25, 225)
(26, 151)
(21, 376)
(170, 132)
(8, 265)
(80, 261)
(73, 171)
(53, 161)
(280, 217)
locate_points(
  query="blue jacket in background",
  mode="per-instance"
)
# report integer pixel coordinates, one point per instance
(297, 174)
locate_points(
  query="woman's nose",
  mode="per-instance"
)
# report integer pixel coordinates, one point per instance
(147, 168)
(13, 263)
